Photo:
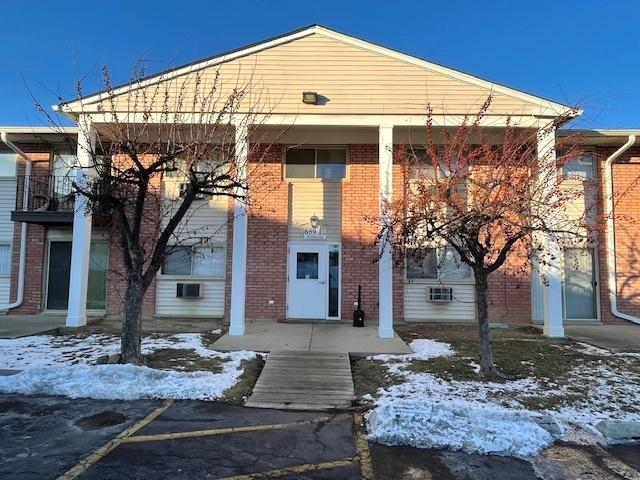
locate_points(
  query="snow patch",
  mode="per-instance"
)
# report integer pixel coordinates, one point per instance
(457, 425)
(423, 349)
(127, 382)
(52, 350)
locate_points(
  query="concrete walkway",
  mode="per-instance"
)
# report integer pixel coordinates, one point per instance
(304, 381)
(617, 338)
(16, 326)
(338, 337)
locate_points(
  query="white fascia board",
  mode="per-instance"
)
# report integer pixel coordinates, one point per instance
(335, 120)
(39, 130)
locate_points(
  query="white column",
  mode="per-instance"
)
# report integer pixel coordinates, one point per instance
(81, 240)
(240, 224)
(552, 292)
(385, 266)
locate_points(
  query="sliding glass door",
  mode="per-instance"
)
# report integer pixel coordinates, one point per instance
(580, 296)
(60, 271)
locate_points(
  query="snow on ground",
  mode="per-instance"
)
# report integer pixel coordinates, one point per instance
(425, 410)
(62, 365)
(423, 349)
(126, 382)
(459, 425)
(51, 350)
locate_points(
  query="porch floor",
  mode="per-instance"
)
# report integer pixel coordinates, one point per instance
(265, 336)
(617, 338)
(16, 326)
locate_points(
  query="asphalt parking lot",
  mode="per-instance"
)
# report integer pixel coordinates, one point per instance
(55, 437)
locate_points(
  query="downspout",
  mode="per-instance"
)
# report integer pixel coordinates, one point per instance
(23, 232)
(611, 241)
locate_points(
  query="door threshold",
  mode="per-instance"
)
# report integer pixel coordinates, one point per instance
(311, 321)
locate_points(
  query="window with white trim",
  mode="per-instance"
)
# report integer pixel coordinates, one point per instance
(8, 164)
(443, 264)
(421, 167)
(321, 163)
(5, 259)
(197, 261)
(580, 167)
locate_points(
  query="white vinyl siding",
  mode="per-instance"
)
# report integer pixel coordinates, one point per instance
(418, 308)
(210, 303)
(322, 199)
(207, 218)
(353, 80)
(7, 204)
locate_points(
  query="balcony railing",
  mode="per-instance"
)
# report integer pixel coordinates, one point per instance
(45, 193)
(50, 201)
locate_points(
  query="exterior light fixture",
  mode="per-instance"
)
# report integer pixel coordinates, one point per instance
(314, 220)
(310, 98)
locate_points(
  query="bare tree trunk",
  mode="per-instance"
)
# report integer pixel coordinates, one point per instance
(487, 367)
(130, 344)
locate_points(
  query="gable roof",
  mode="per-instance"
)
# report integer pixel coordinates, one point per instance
(545, 106)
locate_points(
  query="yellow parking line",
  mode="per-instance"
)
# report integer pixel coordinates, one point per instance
(218, 431)
(106, 448)
(362, 448)
(306, 467)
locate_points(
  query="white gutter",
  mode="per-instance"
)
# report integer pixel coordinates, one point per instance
(23, 233)
(611, 241)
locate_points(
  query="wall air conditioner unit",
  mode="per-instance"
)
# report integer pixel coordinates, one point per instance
(188, 290)
(183, 190)
(440, 294)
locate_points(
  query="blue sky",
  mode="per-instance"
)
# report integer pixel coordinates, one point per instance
(574, 51)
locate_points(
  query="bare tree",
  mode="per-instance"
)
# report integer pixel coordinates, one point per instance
(485, 193)
(160, 147)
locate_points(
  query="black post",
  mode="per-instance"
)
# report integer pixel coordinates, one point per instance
(358, 314)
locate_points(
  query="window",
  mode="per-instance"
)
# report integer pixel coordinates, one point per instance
(322, 163)
(307, 265)
(580, 167)
(5, 259)
(436, 264)
(421, 165)
(201, 261)
(7, 164)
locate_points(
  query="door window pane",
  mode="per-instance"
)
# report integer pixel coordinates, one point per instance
(332, 164)
(177, 262)
(300, 163)
(5, 259)
(307, 265)
(579, 284)
(97, 284)
(334, 280)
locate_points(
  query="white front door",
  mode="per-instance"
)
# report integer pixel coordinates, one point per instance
(307, 281)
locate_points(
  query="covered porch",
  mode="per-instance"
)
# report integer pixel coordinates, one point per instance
(265, 336)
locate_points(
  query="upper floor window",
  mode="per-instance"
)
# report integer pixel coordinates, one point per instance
(200, 260)
(7, 164)
(5, 259)
(581, 166)
(442, 264)
(322, 163)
